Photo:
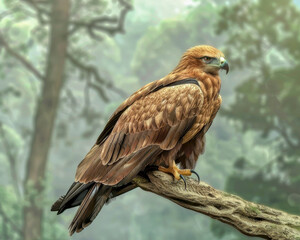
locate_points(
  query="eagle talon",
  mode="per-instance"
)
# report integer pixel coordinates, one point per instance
(183, 179)
(177, 173)
(192, 171)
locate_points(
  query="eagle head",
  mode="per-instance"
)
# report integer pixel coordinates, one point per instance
(207, 58)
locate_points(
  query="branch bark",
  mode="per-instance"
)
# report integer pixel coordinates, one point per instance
(250, 218)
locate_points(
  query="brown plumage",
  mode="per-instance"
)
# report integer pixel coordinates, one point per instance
(161, 124)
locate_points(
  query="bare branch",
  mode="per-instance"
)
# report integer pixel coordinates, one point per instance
(20, 58)
(42, 14)
(282, 131)
(71, 97)
(250, 218)
(99, 90)
(91, 71)
(106, 24)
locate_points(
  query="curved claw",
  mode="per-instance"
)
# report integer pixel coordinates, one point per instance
(192, 171)
(182, 177)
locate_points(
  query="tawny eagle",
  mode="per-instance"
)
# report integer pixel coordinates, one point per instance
(162, 124)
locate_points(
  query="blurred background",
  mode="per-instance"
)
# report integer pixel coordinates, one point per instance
(65, 66)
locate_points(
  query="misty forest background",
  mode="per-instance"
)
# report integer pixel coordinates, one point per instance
(109, 50)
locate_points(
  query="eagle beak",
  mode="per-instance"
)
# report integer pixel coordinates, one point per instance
(224, 64)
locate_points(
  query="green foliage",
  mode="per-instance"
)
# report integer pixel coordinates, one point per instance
(266, 27)
(263, 38)
(153, 59)
(11, 206)
(11, 224)
(270, 45)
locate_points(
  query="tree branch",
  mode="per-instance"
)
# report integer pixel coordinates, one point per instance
(21, 59)
(42, 14)
(107, 24)
(283, 132)
(91, 72)
(250, 218)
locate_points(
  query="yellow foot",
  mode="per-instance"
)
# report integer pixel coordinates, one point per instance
(178, 173)
(175, 171)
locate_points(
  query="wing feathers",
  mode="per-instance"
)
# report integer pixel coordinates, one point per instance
(130, 166)
(156, 120)
(117, 148)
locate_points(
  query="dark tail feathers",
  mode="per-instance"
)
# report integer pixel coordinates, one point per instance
(91, 197)
(90, 207)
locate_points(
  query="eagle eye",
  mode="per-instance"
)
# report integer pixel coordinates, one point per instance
(207, 59)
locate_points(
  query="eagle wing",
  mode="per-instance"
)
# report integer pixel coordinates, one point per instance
(151, 124)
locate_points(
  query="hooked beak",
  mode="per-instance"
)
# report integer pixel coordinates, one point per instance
(224, 64)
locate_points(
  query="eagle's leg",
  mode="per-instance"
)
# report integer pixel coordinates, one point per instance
(176, 171)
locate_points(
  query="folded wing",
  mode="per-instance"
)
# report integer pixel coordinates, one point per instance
(150, 125)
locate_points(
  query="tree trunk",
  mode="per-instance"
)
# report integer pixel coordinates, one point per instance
(44, 120)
